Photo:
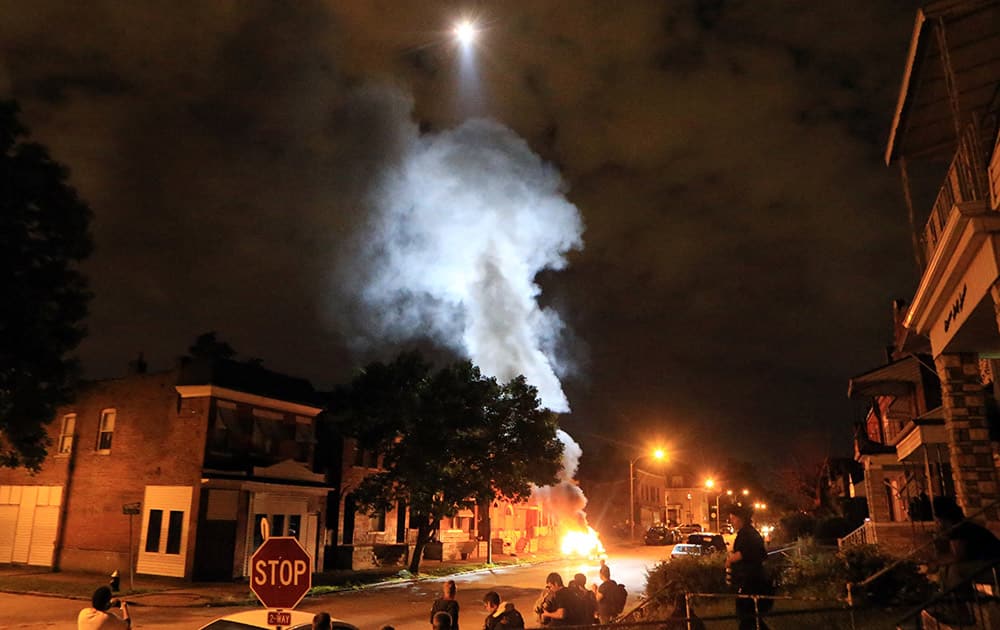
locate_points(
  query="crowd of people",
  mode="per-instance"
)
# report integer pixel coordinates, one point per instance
(970, 546)
(559, 604)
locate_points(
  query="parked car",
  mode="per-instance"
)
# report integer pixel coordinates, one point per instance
(708, 541)
(688, 528)
(727, 528)
(257, 620)
(685, 550)
(659, 535)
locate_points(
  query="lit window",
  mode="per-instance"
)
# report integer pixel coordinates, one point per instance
(107, 430)
(66, 433)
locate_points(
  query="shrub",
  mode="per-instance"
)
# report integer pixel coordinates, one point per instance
(903, 584)
(795, 526)
(813, 572)
(816, 572)
(698, 574)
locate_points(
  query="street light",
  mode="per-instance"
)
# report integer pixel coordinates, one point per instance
(659, 455)
(465, 32)
(710, 483)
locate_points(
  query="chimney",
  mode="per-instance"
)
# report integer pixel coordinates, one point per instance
(138, 366)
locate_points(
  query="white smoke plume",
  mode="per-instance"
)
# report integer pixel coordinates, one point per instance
(464, 222)
(565, 498)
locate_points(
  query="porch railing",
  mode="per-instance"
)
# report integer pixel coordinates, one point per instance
(864, 535)
(966, 180)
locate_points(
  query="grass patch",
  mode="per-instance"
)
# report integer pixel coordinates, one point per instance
(56, 584)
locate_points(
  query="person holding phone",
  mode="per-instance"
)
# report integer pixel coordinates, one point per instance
(97, 615)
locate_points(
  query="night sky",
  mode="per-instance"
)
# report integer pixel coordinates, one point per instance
(742, 240)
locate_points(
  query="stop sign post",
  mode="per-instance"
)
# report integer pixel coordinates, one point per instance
(280, 572)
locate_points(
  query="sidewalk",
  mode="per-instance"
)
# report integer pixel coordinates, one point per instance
(164, 591)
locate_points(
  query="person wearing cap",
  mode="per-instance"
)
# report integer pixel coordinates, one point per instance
(97, 617)
(746, 566)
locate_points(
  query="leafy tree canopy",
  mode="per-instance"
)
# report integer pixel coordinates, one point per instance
(447, 438)
(44, 234)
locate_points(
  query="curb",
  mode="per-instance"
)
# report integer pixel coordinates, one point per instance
(208, 601)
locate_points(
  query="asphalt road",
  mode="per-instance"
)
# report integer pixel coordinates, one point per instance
(404, 606)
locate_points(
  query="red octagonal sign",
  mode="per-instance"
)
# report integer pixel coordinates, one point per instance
(280, 572)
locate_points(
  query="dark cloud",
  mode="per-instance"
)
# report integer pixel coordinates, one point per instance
(743, 240)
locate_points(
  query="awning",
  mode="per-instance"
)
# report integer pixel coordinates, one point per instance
(923, 124)
(896, 379)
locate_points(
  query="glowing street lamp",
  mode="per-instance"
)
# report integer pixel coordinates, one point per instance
(710, 483)
(465, 32)
(659, 455)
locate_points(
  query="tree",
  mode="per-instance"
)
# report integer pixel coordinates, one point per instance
(447, 439)
(517, 448)
(44, 235)
(208, 346)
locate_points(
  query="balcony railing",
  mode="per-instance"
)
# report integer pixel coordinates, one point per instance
(966, 180)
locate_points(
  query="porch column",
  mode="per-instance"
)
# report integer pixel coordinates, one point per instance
(971, 453)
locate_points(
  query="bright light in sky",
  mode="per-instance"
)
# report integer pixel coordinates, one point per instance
(465, 32)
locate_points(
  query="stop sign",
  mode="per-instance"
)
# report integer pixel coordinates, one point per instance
(280, 573)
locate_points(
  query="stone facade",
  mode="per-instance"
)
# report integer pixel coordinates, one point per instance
(971, 452)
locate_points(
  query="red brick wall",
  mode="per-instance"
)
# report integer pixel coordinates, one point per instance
(158, 440)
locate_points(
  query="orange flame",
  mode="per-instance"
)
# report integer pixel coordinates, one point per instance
(585, 543)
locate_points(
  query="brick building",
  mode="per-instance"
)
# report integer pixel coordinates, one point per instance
(203, 451)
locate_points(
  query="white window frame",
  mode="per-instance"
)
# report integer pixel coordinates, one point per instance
(102, 429)
(67, 431)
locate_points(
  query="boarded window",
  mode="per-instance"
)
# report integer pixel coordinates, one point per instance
(277, 524)
(174, 531)
(258, 538)
(303, 441)
(378, 521)
(153, 531)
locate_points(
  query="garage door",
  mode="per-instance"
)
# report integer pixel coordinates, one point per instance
(29, 523)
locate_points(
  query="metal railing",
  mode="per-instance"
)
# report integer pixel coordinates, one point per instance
(971, 603)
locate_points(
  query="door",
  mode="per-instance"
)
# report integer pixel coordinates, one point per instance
(29, 522)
